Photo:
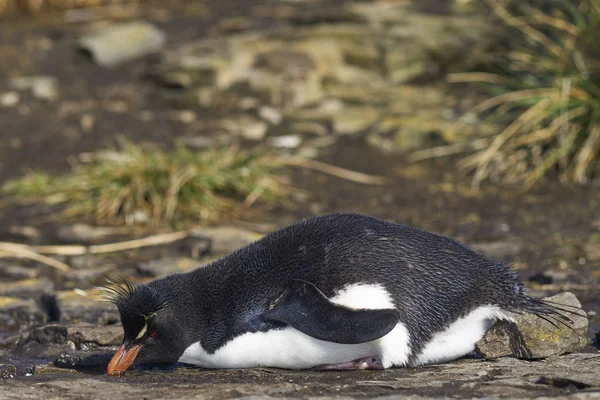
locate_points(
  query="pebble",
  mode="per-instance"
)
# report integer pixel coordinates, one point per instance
(270, 114)
(120, 43)
(287, 141)
(9, 99)
(42, 87)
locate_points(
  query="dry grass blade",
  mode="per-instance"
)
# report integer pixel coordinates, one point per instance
(451, 149)
(589, 151)
(528, 30)
(14, 250)
(339, 172)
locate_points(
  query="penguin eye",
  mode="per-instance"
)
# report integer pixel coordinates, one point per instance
(152, 335)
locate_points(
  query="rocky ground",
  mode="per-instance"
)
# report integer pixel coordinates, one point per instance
(354, 84)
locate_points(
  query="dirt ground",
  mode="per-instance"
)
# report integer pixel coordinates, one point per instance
(551, 225)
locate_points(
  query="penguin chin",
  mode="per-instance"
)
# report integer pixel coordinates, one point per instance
(122, 360)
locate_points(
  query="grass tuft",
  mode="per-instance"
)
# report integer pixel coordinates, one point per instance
(545, 92)
(116, 186)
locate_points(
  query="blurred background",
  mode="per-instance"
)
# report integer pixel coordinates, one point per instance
(197, 126)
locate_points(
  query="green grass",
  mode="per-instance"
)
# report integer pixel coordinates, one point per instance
(544, 87)
(167, 187)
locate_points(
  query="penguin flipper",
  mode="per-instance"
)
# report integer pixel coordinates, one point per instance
(304, 307)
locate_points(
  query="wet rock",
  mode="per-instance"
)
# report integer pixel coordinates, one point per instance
(19, 314)
(225, 239)
(85, 335)
(168, 266)
(51, 334)
(120, 43)
(531, 337)
(501, 250)
(42, 87)
(82, 335)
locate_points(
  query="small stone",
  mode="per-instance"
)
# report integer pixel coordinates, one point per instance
(311, 128)
(531, 337)
(119, 43)
(87, 122)
(246, 127)
(9, 99)
(270, 114)
(28, 233)
(249, 103)
(95, 335)
(287, 141)
(354, 119)
(186, 116)
(42, 87)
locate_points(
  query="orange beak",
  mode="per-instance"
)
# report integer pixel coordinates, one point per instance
(122, 360)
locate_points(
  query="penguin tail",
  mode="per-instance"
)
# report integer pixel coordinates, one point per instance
(554, 313)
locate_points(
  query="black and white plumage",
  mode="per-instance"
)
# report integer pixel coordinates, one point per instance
(323, 291)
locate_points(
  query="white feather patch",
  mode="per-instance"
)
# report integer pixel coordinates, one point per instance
(292, 349)
(460, 337)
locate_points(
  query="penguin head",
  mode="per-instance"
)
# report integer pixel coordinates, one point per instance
(151, 334)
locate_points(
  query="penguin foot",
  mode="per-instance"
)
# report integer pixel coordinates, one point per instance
(361, 363)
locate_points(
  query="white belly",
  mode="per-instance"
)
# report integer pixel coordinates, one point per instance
(460, 337)
(292, 349)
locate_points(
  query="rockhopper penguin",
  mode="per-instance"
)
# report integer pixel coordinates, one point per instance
(339, 291)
